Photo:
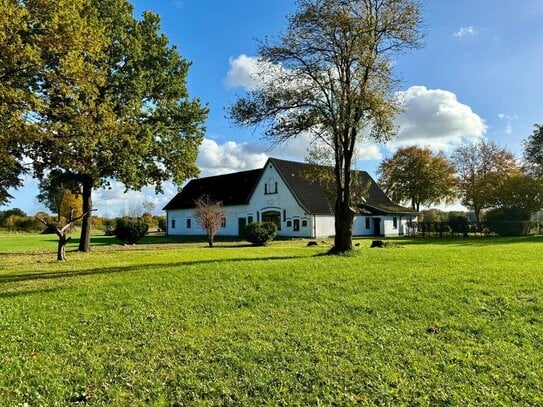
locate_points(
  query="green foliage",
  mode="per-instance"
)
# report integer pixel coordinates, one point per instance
(533, 151)
(130, 231)
(417, 175)
(459, 224)
(481, 169)
(260, 233)
(162, 223)
(509, 222)
(460, 325)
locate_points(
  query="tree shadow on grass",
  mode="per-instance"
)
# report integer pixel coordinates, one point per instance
(45, 276)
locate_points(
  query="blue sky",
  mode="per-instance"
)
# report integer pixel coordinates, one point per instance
(479, 74)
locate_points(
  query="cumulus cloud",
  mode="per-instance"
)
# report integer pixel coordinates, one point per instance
(435, 118)
(465, 31)
(250, 73)
(215, 158)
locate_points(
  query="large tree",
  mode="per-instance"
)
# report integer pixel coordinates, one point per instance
(481, 168)
(419, 176)
(129, 117)
(330, 76)
(533, 151)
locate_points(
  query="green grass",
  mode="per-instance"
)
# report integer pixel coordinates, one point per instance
(439, 322)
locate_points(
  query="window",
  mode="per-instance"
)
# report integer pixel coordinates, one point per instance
(250, 219)
(367, 222)
(173, 223)
(395, 222)
(289, 223)
(284, 215)
(270, 187)
(304, 223)
(189, 223)
(223, 224)
(296, 225)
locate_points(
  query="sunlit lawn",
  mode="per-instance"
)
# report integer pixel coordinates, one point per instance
(440, 322)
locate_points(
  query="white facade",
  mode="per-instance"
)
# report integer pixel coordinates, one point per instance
(272, 200)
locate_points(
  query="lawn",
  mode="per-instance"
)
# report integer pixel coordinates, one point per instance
(423, 322)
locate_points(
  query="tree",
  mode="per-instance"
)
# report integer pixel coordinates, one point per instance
(520, 196)
(481, 168)
(123, 114)
(61, 230)
(533, 151)
(417, 175)
(60, 193)
(210, 215)
(330, 76)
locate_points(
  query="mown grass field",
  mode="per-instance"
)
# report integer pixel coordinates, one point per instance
(426, 322)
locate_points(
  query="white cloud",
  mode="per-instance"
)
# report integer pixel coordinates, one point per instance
(250, 73)
(179, 4)
(509, 119)
(435, 118)
(465, 31)
(214, 158)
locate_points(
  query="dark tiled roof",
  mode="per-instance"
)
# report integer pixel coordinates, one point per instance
(230, 189)
(312, 196)
(236, 189)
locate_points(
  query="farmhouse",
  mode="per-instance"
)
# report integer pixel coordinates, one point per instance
(283, 193)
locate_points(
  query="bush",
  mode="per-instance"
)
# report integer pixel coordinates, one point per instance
(459, 224)
(260, 233)
(130, 231)
(161, 221)
(109, 227)
(509, 223)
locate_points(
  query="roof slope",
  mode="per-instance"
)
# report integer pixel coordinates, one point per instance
(236, 189)
(313, 197)
(230, 189)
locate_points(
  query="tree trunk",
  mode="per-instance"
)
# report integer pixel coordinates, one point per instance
(84, 242)
(61, 252)
(343, 240)
(210, 240)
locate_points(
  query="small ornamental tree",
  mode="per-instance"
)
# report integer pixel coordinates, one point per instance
(210, 215)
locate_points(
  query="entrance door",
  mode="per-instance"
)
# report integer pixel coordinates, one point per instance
(272, 216)
(377, 227)
(242, 222)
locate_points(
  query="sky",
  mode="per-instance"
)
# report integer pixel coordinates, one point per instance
(478, 75)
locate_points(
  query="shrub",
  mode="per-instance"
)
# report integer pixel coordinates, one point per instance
(509, 223)
(459, 224)
(109, 227)
(130, 231)
(260, 233)
(161, 221)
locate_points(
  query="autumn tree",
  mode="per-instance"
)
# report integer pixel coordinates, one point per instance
(115, 106)
(60, 193)
(419, 176)
(330, 76)
(519, 196)
(481, 168)
(61, 230)
(210, 215)
(533, 151)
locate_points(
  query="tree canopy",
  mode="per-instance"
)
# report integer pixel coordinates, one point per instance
(330, 76)
(481, 168)
(533, 151)
(419, 176)
(111, 98)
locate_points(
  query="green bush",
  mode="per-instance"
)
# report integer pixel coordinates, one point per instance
(504, 222)
(161, 221)
(260, 233)
(459, 224)
(130, 231)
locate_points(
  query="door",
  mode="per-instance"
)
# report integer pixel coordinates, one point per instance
(242, 222)
(377, 227)
(272, 216)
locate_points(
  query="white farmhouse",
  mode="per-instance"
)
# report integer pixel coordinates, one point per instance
(281, 192)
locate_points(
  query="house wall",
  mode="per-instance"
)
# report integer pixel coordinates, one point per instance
(272, 194)
(324, 226)
(181, 215)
